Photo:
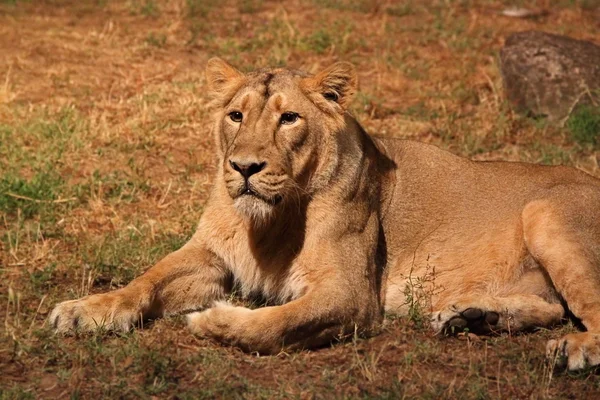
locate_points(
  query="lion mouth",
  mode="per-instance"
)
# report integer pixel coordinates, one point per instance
(251, 192)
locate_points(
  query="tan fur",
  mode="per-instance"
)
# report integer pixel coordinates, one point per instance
(333, 228)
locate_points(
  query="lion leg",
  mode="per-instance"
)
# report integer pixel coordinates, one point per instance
(563, 234)
(481, 314)
(306, 322)
(184, 280)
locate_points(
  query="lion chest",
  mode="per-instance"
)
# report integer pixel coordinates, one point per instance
(268, 271)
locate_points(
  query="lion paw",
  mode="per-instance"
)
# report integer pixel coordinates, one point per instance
(456, 319)
(234, 326)
(108, 311)
(576, 351)
(198, 323)
(218, 322)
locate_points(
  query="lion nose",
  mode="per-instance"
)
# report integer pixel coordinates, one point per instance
(247, 169)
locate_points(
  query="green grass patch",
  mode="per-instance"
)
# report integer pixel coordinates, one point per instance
(199, 8)
(42, 279)
(250, 6)
(31, 196)
(584, 125)
(147, 8)
(16, 392)
(41, 140)
(319, 41)
(336, 35)
(115, 187)
(33, 180)
(115, 259)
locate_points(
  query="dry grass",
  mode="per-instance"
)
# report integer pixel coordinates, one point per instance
(106, 160)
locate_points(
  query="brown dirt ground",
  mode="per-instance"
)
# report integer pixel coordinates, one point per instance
(131, 73)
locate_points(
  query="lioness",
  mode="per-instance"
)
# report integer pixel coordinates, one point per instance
(331, 225)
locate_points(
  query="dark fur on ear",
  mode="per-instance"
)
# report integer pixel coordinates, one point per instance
(337, 83)
(223, 81)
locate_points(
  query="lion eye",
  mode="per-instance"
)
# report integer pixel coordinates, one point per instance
(236, 116)
(331, 96)
(288, 118)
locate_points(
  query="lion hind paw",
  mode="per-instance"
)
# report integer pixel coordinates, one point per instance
(455, 320)
(575, 351)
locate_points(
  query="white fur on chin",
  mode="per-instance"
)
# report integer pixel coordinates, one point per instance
(254, 208)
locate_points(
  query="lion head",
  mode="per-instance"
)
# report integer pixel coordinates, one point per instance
(277, 132)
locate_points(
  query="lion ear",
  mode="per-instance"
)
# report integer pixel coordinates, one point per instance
(337, 83)
(223, 79)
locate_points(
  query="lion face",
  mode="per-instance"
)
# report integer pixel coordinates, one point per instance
(276, 132)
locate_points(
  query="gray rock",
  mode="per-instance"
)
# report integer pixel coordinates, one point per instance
(549, 75)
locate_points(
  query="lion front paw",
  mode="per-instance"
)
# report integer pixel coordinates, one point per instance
(455, 319)
(576, 351)
(234, 326)
(199, 323)
(220, 322)
(110, 311)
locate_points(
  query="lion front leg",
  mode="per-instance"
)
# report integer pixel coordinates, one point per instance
(340, 297)
(311, 321)
(184, 280)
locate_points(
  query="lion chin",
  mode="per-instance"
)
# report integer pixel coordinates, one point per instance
(255, 209)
